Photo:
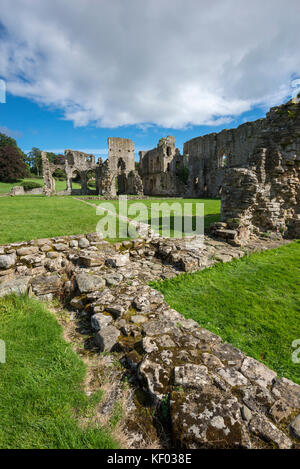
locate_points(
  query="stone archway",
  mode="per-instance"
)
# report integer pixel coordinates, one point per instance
(76, 183)
(60, 180)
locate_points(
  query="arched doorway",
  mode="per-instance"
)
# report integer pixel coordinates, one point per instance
(91, 181)
(76, 183)
(60, 180)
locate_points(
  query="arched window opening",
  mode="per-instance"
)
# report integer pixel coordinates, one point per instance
(121, 165)
(224, 160)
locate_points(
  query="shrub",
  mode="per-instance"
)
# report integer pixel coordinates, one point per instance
(59, 174)
(29, 185)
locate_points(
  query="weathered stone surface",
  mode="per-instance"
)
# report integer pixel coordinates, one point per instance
(119, 260)
(246, 413)
(141, 303)
(295, 427)
(83, 243)
(27, 250)
(191, 376)
(44, 284)
(113, 279)
(155, 375)
(60, 247)
(207, 419)
(100, 321)
(89, 283)
(280, 410)
(138, 319)
(261, 426)
(18, 286)
(7, 261)
(77, 303)
(211, 361)
(107, 338)
(149, 345)
(228, 353)
(257, 398)
(74, 244)
(232, 376)
(288, 390)
(115, 309)
(92, 259)
(158, 327)
(257, 372)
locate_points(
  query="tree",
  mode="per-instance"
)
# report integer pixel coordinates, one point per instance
(34, 160)
(6, 141)
(12, 165)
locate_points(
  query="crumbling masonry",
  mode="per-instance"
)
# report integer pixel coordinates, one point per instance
(254, 169)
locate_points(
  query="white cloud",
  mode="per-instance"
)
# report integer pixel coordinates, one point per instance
(172, 63)
(11, 133)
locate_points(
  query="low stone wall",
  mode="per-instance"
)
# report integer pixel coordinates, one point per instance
(216, 395)
(19, 190)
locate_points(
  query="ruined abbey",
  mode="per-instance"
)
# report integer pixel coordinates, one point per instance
(253, 168)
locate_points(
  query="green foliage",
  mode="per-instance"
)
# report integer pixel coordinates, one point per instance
(51, 156)
(29, 185)
(6, 141)
(34, 160)
(42, 401)
(183, 174)
(59, 174)
(252, 303)
(12, 165)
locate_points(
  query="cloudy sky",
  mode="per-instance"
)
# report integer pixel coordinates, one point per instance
(78, 71)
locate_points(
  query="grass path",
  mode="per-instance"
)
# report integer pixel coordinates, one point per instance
(42, 400)
(252, 303)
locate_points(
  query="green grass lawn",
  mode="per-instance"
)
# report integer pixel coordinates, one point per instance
(5, 187)
(41, 384)
(252, 303)
(32, 217)
(211, 211)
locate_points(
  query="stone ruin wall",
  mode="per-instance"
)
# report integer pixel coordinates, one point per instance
(256, 171)
(73, 163)
(115, 175)
(158, 168)
(208, 157)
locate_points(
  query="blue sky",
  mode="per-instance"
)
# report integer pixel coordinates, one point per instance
(79, 71)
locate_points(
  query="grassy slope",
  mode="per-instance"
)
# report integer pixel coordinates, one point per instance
(252, 303)
(41, 392)
(32, 217)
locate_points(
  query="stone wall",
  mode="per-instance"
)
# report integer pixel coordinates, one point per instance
(215, 396)
(158, 168)
(110, 177)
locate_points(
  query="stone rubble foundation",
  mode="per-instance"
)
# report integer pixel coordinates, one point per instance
(210, 393)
